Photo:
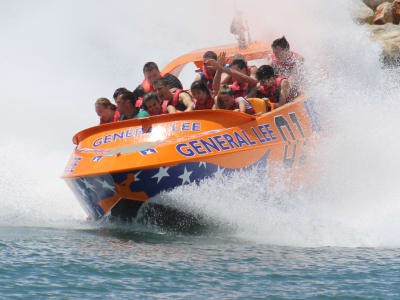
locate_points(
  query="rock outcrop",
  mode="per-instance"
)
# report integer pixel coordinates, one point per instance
(362, 13)
(389, 35)
(381, 18)
(374, 3)
(383, 14)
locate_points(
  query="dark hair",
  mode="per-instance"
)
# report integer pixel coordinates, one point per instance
(225, 90)
(119, 91)
(128, 96)
(149, 96)
(200, 85)
(240, 63)
(210, 54)
(281, 42)
(105, 103)
(150, 66)
(164, 81)
(265, 72)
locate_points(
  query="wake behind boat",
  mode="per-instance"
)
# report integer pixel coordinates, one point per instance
(116, 167)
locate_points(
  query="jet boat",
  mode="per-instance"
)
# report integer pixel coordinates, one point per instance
(117, 167)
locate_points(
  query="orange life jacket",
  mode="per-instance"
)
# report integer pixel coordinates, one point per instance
(146, 85)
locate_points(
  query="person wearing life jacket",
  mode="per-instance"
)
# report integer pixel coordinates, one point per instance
(287, 63)
(118, 92)
(202, 95)
(153, 106)
(242, 83)
(107, 111)
(251, 70)
(208, 73)
(179, 100)
(126, 107)
(151, 72)
(122, 90)
(226, 100)
(274, 89)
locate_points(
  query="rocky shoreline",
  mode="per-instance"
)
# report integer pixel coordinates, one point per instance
(382, 18)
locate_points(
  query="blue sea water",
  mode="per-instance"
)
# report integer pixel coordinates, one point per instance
(121, 262)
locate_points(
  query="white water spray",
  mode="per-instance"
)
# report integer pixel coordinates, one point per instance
(61, 56)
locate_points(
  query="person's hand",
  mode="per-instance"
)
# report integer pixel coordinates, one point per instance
(218, 64)
(222, 59)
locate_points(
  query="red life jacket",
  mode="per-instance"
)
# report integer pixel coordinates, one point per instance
(207, 105)
(273, 93)
(175, 99)
(139, 102)
(240, 90)
(115, 118)
(291, 61)
(146, 85)
(164, 106)
(208, 78)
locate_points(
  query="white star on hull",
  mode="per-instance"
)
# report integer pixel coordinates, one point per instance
(88, 185)
(185, 176)
(106, 185)
(203, 163)
(162, 172)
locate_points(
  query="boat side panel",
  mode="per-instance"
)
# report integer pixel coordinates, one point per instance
(284, 131)
(99, 194)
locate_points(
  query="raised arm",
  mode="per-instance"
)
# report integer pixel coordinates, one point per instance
(284, 96)
(243, 77)
(219, 65)
(187, 101)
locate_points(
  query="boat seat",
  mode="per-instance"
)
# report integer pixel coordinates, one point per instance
(258, 105)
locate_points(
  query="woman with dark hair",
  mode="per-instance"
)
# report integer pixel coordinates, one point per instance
(107, 111)
(226, 100)
(202, 95)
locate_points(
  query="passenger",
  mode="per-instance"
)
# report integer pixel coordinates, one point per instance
(202, 95)
(208, 73)
(226, 100)
(272, 88)
(127, 109)
(242, 83)
(287, 64)
(153, 106)
(251, 70)
(179, 100)
(119, 91)
(107, 111)
(151, 72)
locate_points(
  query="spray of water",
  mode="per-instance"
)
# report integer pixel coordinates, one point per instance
(62, 56)
(355, 200)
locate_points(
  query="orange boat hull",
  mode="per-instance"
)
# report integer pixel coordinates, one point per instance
(117, 167)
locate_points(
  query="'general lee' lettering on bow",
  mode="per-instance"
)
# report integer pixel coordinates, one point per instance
(133, 132)
(224, 142)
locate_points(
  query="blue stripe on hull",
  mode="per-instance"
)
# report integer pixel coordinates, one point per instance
(91, 190)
